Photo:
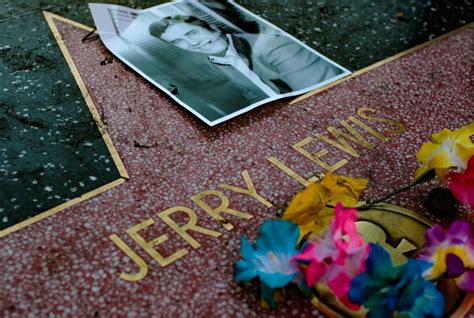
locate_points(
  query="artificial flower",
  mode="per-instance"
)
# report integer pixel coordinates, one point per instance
(452, 253)
(462, 184)
(386, 290)
(448, 149)
(343, 189)
(269, 259)
(337, 257)
(308, 208)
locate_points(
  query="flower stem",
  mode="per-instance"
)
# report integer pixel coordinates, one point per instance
(425, 178)
(395, 192)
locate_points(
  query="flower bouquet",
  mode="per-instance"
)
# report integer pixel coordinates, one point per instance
(372, 259)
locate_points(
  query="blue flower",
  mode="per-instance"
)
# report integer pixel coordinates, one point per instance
(385, 290)
(270, 258)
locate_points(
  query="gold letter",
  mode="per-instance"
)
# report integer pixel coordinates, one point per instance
(143, 267)
(149, 246)
(370, 130)
(362, 112)
(249, 191)
(223, 208)
(316, 157)
(191, 225)
(291, 173)
(342, 144)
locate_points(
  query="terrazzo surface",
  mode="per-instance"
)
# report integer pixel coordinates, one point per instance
(67, 265)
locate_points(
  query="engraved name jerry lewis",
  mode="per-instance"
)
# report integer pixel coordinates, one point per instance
(340, 138)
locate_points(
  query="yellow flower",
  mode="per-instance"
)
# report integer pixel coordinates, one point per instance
(307, 204)
(447, 149)
(346, 190)
(439, 260)
(308, 208)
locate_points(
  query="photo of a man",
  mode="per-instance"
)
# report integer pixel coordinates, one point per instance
(275, 63)
(212, 66)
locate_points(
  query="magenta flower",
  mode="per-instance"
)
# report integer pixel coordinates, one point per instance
(337, 257)
(451, 252)
(462, 184)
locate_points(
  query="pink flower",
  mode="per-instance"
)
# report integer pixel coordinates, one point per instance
(462, 184)
(337, 257)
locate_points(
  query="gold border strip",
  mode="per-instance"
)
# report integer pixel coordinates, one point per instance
(61, 207)
(382, 62)
(95, 115)
(49, 16)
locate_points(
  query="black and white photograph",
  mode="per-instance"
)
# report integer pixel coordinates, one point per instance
(215, 58)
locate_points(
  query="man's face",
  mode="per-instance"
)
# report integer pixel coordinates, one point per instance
(195, 38)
